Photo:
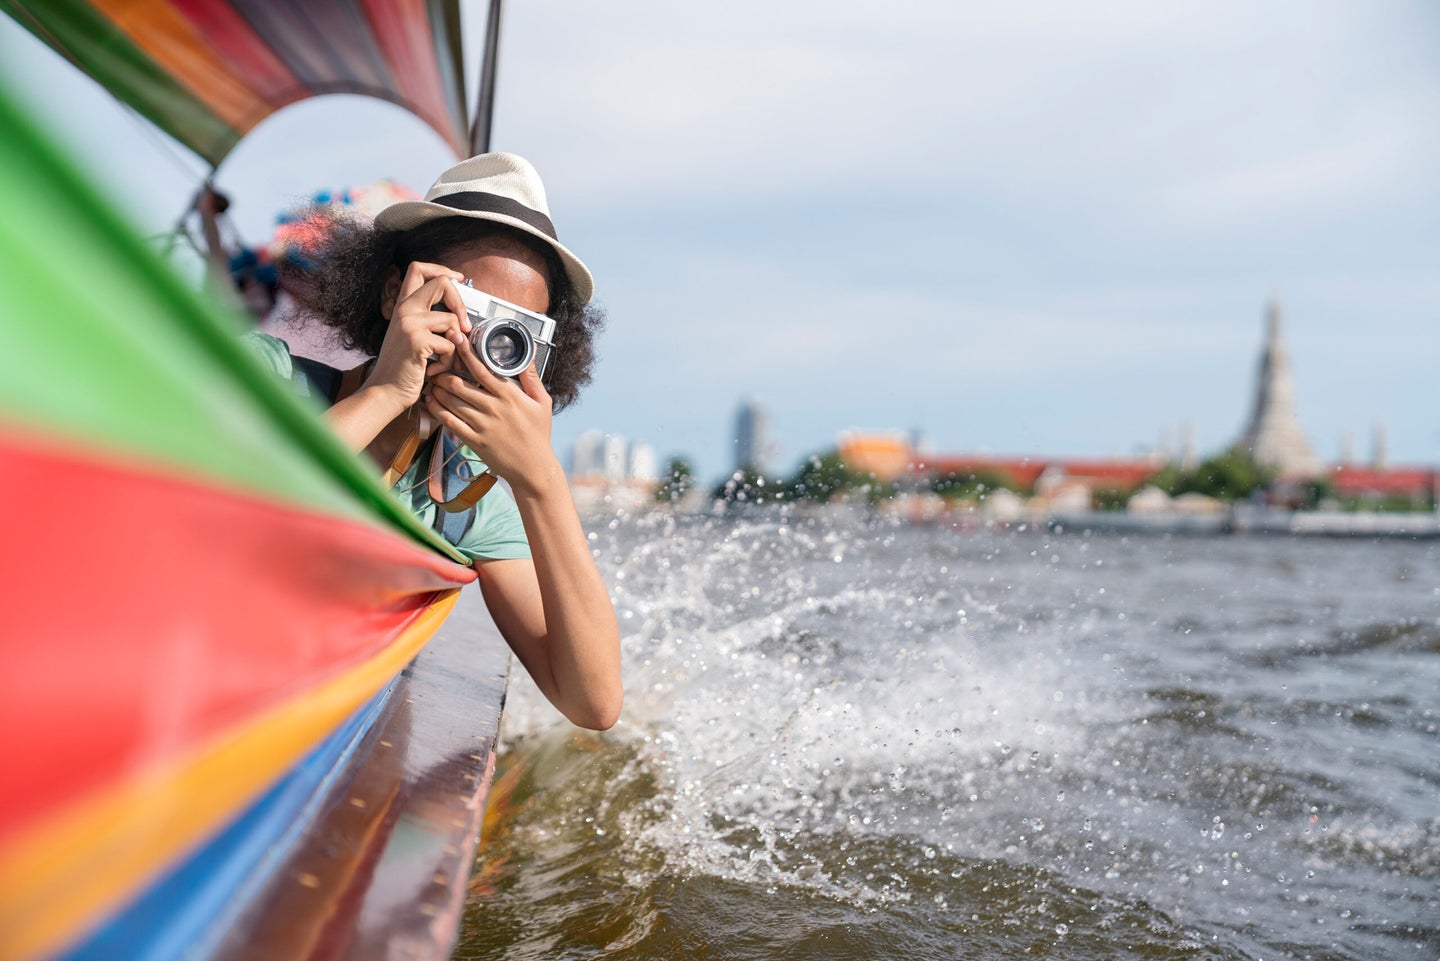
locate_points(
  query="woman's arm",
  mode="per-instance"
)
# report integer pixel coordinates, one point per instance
(554, 611)
(556, 614)
(418, 342)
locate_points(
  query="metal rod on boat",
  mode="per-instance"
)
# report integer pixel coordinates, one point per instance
(485, 101)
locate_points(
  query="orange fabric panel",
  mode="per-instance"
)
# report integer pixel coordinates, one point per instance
(170, 40)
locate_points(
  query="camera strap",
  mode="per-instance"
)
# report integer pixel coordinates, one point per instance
(447, 465)
(447, 469)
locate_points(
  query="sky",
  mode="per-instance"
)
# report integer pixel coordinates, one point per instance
(1042, 228)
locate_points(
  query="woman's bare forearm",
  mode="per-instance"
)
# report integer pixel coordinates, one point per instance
(358, 419)
(582, 638)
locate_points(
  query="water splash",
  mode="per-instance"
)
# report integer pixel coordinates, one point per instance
(1109, 718)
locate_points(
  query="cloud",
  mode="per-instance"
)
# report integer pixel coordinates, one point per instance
(989, 220)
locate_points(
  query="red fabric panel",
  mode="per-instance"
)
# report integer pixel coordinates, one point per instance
(402, 28)
(147, 614)
(231, 37)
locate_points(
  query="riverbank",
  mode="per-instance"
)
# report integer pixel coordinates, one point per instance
(1247, 520)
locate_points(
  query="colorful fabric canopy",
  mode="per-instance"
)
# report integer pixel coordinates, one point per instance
(208, 71)
(201, 583)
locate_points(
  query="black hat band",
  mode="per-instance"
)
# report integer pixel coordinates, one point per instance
(480, 202)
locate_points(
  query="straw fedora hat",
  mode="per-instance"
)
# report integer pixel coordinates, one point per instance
(498, 187)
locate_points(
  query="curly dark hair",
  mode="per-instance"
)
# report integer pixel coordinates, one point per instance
(344, 284)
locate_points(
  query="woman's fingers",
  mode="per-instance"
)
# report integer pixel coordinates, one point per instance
(450, 295)
(441, 348)
(419, 273)
(428, 286)
(533, 386)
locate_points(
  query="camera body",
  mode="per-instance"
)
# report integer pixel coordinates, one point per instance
(505, 337)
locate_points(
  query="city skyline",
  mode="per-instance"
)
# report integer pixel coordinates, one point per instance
(1274, 434)
(1073, 219)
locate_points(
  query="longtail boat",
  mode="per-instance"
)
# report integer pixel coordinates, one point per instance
(235, 726)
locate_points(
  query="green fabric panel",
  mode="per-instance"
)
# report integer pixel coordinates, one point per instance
(87, 38)
(105, 349)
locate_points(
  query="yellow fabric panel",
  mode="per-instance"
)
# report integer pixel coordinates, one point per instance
(80, 864)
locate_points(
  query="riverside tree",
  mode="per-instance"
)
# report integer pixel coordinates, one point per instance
(678, 480)
(1229, 476)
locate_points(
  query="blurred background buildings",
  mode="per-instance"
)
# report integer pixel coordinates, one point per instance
(1168, 478)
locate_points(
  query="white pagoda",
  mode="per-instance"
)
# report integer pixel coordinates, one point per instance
(1274, 437)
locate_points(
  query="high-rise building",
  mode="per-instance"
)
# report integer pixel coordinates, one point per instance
(1274, 436)
(613, 458)
(752, 436)
(643, 464)
(587, 456)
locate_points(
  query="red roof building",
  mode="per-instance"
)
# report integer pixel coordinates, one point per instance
(1356, 480)
(1026, 472)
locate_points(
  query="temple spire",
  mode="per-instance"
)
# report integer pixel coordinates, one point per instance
(1274, 436)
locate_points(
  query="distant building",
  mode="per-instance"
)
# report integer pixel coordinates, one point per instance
(1045, 474)
(1274, 437)
(886, 454)
(1062, 485)
(614, 449)
(587, 455)
(752, 436)
(1380, 482)
(608, 472)
(644, 466)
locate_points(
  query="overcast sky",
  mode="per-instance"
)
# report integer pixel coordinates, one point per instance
(1032, 228)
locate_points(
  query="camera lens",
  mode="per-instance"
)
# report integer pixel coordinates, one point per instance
(506, 348)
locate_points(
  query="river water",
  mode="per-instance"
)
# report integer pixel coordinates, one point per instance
(845, 737)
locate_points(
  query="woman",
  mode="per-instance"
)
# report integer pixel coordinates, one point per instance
(390, 290)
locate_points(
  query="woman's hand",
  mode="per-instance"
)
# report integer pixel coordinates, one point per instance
(553, 608)
(506, 423)
(427, 324)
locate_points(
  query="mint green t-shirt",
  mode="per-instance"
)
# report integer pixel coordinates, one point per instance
(495, 531)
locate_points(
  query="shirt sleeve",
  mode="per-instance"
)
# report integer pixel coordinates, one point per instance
(271, 351)
(498, 533)
(274, 354)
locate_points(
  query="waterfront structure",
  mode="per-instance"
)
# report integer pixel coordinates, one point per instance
(587, 454)
(612, 458)
(1273, 436)
(752, 436)
(885, 454)
(607, 471)
(1048, 475)
(644, 465)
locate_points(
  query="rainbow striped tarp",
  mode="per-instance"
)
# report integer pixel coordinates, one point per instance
(200, 583)
(208, 71)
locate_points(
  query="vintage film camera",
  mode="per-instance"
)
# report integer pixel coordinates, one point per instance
(506, 337)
